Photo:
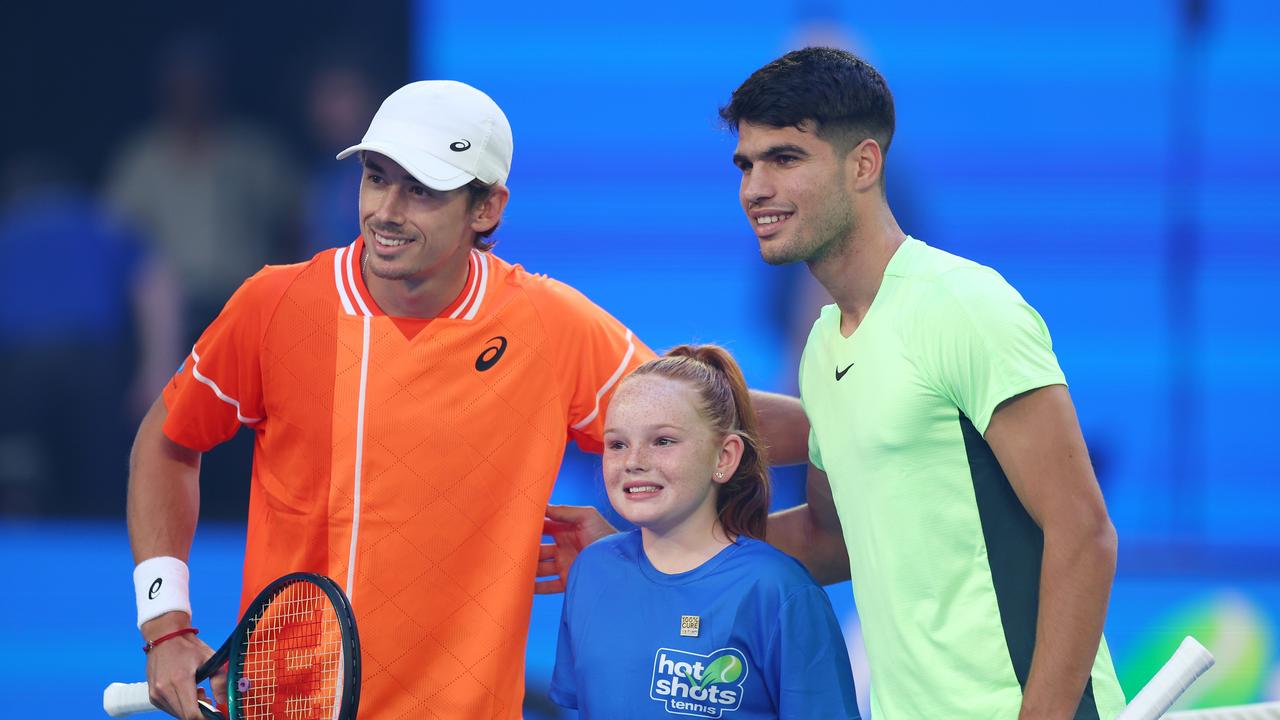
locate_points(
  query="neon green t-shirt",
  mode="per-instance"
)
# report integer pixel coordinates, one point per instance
(944, 558)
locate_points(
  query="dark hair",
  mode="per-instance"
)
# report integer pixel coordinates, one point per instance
(742, 503)
(838, 91)
(478, 192)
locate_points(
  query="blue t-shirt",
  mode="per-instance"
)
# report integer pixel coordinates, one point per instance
(748, 634)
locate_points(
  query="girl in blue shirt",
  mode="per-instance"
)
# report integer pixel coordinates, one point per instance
(693, 614)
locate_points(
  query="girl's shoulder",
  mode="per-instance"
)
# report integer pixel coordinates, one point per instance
(770, 566)
(620, 546)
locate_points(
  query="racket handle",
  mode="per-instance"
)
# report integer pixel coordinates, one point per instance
(121, 699)
(1189, 662)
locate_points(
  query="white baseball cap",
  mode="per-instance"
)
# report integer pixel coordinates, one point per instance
(445, 133)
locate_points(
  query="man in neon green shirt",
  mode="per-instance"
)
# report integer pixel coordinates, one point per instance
(957, 489)
(957, 492)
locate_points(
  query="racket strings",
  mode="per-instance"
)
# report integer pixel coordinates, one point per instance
(292, 661)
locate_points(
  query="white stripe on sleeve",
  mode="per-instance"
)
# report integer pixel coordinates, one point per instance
(613, 380)
(195, 372)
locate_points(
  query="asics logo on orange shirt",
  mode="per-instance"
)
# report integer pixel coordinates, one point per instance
(492, 354)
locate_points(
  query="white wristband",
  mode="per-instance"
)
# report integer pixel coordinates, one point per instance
(160, 585)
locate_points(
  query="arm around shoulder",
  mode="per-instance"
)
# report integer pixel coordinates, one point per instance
(784, 427)
(811, 532)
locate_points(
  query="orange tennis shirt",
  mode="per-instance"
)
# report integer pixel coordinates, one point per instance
(409, 460)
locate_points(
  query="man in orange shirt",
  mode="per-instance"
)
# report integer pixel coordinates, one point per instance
(411, 395)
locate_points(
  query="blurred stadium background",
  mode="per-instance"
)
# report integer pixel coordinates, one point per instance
(1119, 163)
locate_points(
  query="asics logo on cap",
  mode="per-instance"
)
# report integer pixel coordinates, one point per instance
(442, 132)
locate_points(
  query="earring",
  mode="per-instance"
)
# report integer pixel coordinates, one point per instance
(719, 476)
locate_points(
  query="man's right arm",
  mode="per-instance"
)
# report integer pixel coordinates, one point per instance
(164, 501)
(164, 491)
(811, 532)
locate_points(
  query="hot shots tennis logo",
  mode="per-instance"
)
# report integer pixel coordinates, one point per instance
(698, 685)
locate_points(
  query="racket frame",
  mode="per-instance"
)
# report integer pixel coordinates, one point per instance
(229, 653)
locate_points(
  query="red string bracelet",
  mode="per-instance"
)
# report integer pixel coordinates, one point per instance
(184, 631)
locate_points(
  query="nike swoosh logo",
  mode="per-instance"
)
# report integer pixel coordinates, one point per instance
(840, 373)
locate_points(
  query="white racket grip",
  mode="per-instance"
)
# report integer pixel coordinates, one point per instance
(122, 699)
(1189, 662)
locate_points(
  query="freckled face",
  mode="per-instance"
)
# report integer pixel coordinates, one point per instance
(660, 454)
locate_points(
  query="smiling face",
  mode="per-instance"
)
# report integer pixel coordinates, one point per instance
(661, 456)
(794, 191)
(412, 232)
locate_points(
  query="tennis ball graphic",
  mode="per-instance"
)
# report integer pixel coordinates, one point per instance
(1232, 627)
(723, 670)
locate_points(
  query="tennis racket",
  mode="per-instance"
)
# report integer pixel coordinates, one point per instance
(1188, 663)
(295, 654)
